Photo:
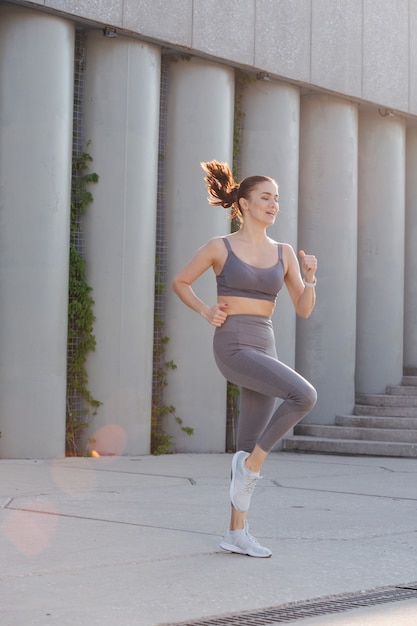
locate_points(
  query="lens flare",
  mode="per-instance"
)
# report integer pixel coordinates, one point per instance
(31, 531)
(108, 440)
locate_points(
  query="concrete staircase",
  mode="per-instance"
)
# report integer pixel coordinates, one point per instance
(381, 425)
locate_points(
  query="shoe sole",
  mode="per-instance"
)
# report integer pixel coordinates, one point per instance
(234, 463)
(231, 548)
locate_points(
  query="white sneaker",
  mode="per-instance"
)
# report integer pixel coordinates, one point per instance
(243, 482)
(242, 542)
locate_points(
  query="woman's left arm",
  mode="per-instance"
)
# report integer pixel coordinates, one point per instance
(302, 293)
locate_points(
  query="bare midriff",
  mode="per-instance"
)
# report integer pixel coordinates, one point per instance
(247, 306)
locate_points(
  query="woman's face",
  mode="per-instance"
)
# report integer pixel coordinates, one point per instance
(262, 204)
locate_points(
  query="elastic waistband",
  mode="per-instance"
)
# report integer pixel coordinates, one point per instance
(244, 319)
(250, 317)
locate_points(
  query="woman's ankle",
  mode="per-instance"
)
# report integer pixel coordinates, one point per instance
(255, 460)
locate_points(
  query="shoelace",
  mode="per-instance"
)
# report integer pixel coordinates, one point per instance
(251, 538)
(249, 484)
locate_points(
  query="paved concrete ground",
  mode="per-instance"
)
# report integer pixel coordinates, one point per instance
(134, 540)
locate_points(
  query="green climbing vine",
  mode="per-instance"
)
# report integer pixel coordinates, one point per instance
(81, 339)
(241, 80)
(161, 441)
(233, 393)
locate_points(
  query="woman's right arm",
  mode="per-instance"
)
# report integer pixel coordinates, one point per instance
(204, 258)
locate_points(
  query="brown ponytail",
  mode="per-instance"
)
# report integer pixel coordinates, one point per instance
(221, 185)
(224, 190)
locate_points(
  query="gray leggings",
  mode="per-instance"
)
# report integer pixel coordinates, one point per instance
(245, 353)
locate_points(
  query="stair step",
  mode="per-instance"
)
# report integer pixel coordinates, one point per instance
(349, 447)
(368, 421)
(381, 425)
(385, 411)
(402, 390)
(363, 434)
(410, 376)
(385, 400)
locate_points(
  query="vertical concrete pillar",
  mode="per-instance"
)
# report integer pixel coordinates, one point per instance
(410, 280)
(36, 93)
(199, 128)
(122, 121)
(325, 350)
(269, 145)
(380, 311)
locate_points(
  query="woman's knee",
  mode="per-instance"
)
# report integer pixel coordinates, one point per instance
(305, 398)
(310, 398)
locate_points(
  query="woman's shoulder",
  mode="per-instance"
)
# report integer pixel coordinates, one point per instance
(215, 247)
(216, 243)
(288, 251)
(216, 251)
(283, 244)
(287, 254)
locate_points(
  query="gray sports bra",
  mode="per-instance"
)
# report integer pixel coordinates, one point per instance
(237, 278)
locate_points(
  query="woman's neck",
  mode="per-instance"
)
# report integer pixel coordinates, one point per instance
(252, 233)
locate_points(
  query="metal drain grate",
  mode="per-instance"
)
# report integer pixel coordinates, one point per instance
(312, 608)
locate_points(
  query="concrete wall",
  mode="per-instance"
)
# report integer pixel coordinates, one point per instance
(328, 228)
(381, 220)
(364, 49)
(122, 123)
(35, 192)
(322, 124)
(199, 128)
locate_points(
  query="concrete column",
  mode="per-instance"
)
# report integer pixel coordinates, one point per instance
(122, 121)
(36, 93)
(269, 145)
(325, 350)
(410, 281)
(200, 128)
(380, 311)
